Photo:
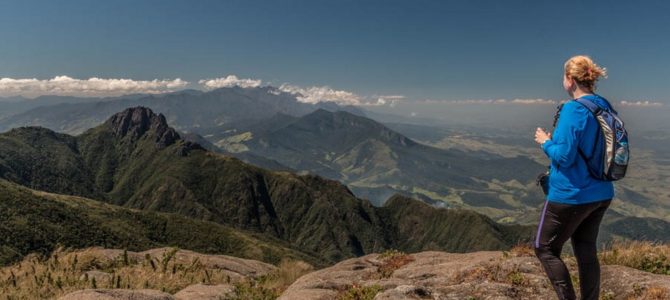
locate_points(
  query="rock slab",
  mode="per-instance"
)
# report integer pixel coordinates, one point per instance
(477, 275)
(117, 294)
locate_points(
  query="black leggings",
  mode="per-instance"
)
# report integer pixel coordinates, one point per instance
(580, 223)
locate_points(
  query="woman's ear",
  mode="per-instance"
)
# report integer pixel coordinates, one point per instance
(568, 83)
(571, 82)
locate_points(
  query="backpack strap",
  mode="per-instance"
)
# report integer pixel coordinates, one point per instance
(557, 115)
(594, 108)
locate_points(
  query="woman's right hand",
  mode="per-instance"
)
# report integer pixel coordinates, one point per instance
(541, 136)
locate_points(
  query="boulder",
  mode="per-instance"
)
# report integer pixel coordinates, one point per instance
(117, 294)
(205, 292)
(627, 283)
(477, 275)
(98, 275)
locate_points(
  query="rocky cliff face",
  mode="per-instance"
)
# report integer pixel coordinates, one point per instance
(133, 123)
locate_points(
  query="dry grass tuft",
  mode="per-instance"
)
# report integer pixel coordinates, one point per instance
(655, 293)
(358, 292)
(522, 250)
(516, 278)
(650, 293)
(645, 256)
(287, 273)
(392, 260)
(493, 272)
(65, 271)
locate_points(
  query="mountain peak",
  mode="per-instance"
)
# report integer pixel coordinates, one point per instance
(323, 112)
(135, 122)
(324, 120)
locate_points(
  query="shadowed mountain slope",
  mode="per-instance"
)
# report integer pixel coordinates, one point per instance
(33, 221)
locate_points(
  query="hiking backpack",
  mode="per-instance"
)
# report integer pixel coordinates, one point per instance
(612, 162)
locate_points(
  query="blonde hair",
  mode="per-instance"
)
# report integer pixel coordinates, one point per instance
(584, 71)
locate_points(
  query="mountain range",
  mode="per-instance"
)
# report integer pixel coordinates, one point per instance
(368, 156)
(135, 160)
(272, 129)
(491, 171)
(186, 110)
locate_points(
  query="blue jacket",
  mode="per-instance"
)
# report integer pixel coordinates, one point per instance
(569, 178)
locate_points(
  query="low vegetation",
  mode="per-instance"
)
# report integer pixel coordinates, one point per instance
(65, 271)
(271, 286)
(521, 250)
(357, 292)
(645, 256)
(392, 260)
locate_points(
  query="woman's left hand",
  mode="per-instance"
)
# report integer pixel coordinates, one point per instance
(541, 136)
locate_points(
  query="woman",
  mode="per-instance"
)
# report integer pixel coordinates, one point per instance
(576, 202)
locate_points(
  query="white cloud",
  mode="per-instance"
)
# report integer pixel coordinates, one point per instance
(97, 87)
(391, 100)
(493, 101)
(640, 103)
(391, 97)
(317, 94)
(230, 81)
(274, 91)
(68, 86)
(533, 101)
(539, 101)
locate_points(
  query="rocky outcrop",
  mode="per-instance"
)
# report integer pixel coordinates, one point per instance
(186, 147)
(179, 272)
(632, 283)
(234, 267)
(391, 275)
(205, 292)
(117, 294)
(478, 275)
(98, 276)
(134, 122)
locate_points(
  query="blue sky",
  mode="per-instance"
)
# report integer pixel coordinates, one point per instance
(419, 49)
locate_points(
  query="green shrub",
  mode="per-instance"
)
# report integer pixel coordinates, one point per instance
(360, 292)
(252, 290)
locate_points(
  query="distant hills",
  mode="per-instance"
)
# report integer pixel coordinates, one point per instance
(186, 110)
(135, 160)
(272, 129)
(489, 170)
(376, 162)
(16, 105)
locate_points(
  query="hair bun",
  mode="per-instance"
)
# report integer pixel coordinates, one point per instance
(582, 69)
